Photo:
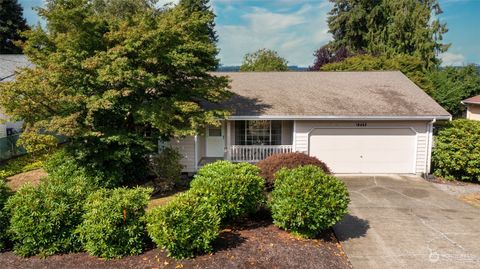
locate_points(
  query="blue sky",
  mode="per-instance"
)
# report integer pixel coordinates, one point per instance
(296, 28)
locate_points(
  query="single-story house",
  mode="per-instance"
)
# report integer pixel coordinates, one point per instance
(356, 122)
(8, 64)
(473, 107)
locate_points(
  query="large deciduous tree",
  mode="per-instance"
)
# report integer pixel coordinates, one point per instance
(454, 84)
(328, 54)
(389, 27)
(263, 60)
(11, 24)
(114, 83)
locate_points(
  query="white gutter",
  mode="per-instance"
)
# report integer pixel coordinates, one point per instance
(324, 117)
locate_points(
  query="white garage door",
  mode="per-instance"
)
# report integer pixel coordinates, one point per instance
(372, 150)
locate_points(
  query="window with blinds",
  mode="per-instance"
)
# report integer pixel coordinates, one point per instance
(258, 132)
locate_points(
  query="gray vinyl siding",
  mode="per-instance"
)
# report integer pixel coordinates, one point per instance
(3, 130)
(303, 129)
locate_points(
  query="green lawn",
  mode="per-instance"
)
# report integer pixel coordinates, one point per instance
(154, 202)
(21, 164)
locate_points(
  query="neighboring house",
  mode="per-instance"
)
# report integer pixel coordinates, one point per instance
(356, 122)
(473, 107)
(8, 64)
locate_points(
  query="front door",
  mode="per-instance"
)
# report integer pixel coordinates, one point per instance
(215, 142)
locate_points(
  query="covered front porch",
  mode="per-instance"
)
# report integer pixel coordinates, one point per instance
(244, 140)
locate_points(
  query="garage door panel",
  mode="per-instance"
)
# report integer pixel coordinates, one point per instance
(372, 150)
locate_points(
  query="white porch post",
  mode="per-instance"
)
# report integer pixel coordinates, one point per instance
(294, 142)
(229, 140)
(196, 152)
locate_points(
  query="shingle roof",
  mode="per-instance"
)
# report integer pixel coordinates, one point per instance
(329, 94)
(472, 100)
(9, 63)
(322, 94)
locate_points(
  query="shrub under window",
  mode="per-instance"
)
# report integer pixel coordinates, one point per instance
(457, 151)
(274, 163)
(306, 201)
(113, 224)
(185, 227)
(234, 189)
(166, 168)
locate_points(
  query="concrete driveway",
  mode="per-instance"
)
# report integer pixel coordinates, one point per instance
(406, 222)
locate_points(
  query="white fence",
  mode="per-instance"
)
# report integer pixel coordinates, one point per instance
(255, 153)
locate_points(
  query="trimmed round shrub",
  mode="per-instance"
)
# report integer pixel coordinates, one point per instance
(113, 223)
(5, 193)
(456, 154)
(236, 190)
(44, 218)
(275, 162)
(306, 201)
(185, 227)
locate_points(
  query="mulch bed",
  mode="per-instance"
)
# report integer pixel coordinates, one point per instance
(31, 177)
(251, 244)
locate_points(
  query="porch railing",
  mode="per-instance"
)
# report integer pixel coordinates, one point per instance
(255, 153)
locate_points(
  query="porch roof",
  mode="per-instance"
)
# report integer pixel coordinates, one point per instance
(472, 100)
(379, 94)
(9, 63)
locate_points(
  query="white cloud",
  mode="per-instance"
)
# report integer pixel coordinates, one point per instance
(450, 58)
(295, 35)
(161, 3)
(264, 19)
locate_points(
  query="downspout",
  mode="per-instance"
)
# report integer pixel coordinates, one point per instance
(429, 147)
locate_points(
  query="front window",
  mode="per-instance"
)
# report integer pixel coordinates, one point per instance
(258, 132)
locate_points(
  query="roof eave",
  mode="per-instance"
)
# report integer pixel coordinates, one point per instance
(470, 103)
(324, 117)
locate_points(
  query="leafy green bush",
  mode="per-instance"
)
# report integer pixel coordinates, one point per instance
(275, 162)
(37, 143)
(186, 226)
(456, 154)
(44, 218)
(305, 200)
(4, 216)
(167, 168)
(113, 224)
(234, 189)
(62, 167)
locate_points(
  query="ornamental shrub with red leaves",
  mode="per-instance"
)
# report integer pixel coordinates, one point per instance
(275, 162)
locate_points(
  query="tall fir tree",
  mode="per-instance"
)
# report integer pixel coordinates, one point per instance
(11, 24)
(203, 6)
(389, 27)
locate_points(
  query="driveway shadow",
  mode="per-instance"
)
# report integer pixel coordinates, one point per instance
(351, 227)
